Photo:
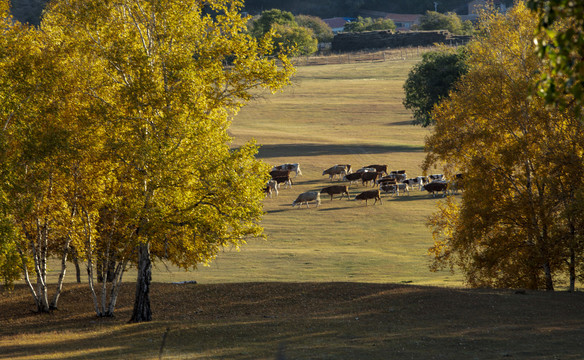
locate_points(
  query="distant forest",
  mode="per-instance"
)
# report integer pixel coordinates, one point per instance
(29, 11)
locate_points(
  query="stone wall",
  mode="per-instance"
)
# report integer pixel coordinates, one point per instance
(389, 39)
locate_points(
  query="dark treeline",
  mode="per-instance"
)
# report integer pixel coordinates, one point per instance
(352, 8)
(30, 10)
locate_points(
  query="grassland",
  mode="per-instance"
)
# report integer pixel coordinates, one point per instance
(332, 114)
(342, 281)
(335, 114)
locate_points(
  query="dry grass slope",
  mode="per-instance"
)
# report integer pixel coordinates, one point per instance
(301, 321)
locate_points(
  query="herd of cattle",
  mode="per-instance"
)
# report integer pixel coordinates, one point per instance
(393, 182)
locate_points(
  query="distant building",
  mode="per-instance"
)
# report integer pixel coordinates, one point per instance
(404, 21)
(475, 6)
(337, 24)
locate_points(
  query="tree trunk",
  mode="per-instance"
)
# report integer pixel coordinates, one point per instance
(572, 267)
(76, 262)
(61, 277)
(549, 283)
(142, 311)
(115, 289)
(572, 264)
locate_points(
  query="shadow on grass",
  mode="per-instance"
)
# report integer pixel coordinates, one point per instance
(279, 210)
(267, 151)
(401, 123)
(336, 208)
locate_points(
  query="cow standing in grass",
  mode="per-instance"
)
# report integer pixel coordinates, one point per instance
(370, 194)
(306, 197)
(336, 189)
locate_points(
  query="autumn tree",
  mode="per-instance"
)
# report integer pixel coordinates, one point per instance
(560, 43)
(38, 152)
(430, 81)
(167, 77)
(518, 223)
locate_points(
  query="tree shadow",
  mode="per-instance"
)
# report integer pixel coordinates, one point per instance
(291, 150)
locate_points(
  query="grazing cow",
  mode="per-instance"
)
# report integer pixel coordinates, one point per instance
(290, 167)
(395, 188)
(336, 189)
(369, 176)
(398, 175)
(379, 168)
(278, 173)
(305, 197)
(283, 180)
(369, 194)
(366, 169)
(337, 170)
(271, 187)
(436, 186)
(436, 177)
(352, 177)
(386, 180)
(416, 182)
(348, 167)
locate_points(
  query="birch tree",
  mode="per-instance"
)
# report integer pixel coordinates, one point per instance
(518, 223)
(37, 149)
(167, 78)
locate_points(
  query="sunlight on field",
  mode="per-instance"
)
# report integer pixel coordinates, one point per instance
(334, 114)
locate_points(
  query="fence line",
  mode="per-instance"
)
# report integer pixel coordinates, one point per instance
(406, 53)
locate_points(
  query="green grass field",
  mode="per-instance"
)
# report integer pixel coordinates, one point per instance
(334, 114)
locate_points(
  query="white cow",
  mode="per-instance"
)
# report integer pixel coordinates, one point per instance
(416, 182)
(337, 170)
(271, 187)
(305, 197)
(290, 167)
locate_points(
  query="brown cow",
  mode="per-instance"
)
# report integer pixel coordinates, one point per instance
(436, 186)
(336, 189)
(379, 168)
(369, 194)
(353, 177)
(279, 173)
(369, 176)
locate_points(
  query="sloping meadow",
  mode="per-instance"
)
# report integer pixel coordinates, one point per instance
(334, 114)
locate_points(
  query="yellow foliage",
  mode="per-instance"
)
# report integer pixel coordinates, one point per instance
(518, 160)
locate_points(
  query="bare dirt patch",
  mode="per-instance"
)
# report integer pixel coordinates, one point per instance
(301, 321)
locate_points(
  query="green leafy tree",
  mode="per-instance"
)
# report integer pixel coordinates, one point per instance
(289, 37)
(430, 81)
(369, 24)
(561, 44)
(321, 30)
(294, 40)
(269, 18)
(433, 20)
(518, 223)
